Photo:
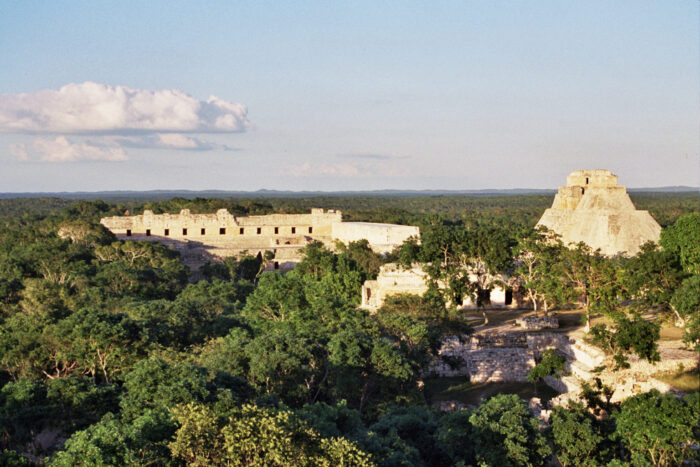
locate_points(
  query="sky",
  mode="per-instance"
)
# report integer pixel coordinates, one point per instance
(346, 95)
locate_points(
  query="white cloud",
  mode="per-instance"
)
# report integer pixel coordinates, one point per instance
(176, 140)
(19, 151)
(169, 141)
(99, 108)
(115, 117)
(372, 156)
(62, 150)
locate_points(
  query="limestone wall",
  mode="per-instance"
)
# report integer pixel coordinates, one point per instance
(382, 237)
(535, 323)
(502, 358)
(510, 356)
(206, 237)
(222, 224)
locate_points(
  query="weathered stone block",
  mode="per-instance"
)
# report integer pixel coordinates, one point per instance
(535, 323)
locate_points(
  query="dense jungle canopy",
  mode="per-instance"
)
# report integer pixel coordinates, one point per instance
(111, 355)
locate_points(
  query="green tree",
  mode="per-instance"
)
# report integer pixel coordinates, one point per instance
(551, 364)
(114, 442)
(486, 256)
(254, 435)
(683, 240)
(156, 385)
(651, 277)
(96, 342)
(576, 438)
(539, 268)
(361, 253)
(593, 278)
(285, 363)
(626, 335)
(415, 427)
(686, 303)
(506, 434)
(453, 437)
(658, 429)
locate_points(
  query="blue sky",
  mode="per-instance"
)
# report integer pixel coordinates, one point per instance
(346, 95)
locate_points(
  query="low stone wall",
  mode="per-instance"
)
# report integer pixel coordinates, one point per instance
(489, 358)
(547, 340)
(506, 365)
(535, 323)
(488, 365)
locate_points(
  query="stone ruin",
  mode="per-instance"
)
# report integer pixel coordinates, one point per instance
(209, 237)
(592, 208)
(509, 357)
(395, 280)
(535, 323)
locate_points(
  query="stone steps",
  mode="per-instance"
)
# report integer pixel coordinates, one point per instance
(581, 370)
(565, 384)
(584, 353)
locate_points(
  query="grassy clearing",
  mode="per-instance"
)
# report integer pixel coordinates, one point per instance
(686, 381)
(670, 332)
(473, 394)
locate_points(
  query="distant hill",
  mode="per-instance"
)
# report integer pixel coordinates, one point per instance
(167, 194)
(666, 189)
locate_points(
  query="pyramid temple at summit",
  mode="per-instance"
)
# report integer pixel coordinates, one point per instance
(592, 208)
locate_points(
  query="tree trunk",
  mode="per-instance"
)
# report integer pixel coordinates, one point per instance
(533, 299)
(364, 395)
(318, 391)
(680, 322)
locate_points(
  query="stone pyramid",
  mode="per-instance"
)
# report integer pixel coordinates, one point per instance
(593, 209)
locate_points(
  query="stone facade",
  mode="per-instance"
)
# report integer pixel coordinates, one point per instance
(395, 280)
(206, 237)
(593, 209)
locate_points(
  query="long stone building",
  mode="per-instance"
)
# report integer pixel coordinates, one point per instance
(592, 208)
(208, 237)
